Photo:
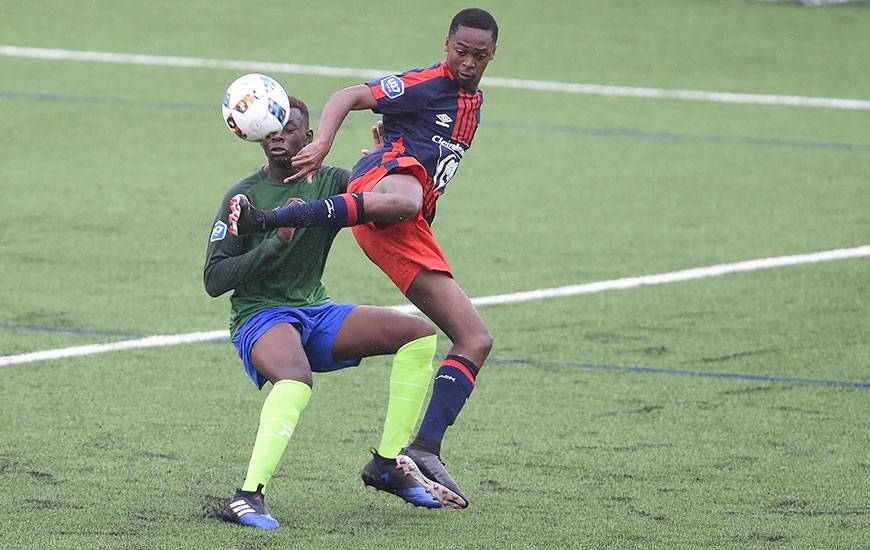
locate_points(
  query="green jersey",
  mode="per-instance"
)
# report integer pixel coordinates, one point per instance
(260, 269)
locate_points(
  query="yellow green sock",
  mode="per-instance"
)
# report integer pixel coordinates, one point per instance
(278, 419)
(409, 382)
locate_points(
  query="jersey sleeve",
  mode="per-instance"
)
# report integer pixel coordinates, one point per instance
(398, 94)
(339, 178)
(227, 264)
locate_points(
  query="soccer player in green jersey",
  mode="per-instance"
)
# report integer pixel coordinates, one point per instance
(285, 326)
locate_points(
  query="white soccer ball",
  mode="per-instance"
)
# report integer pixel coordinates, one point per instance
(255, 106)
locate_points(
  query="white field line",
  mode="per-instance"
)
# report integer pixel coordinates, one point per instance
(494, 82)
(564, 291)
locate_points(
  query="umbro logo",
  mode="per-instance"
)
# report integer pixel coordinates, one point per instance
(443, 120)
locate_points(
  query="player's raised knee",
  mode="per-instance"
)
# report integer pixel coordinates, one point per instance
(400, 207)
(411, 328)
(419, 327)
(393, 206)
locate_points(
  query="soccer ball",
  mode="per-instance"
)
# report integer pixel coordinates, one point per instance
(255, 106)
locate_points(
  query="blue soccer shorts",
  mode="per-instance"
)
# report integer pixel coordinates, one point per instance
(317, 326)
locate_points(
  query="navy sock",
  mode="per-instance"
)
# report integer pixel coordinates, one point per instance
(336, 211)
(453, 384)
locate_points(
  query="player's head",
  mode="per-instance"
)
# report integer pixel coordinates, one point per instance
(470, 45)
(281, 146)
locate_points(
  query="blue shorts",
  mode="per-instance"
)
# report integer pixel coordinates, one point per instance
(317, 326)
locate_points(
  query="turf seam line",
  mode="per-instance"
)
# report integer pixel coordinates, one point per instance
(628, 133)
(679, 372)
(539, 294)
(494, 82)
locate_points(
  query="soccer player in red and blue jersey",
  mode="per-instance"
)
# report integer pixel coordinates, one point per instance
(430, 117)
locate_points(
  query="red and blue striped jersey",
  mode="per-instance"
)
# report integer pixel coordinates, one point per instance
(427, 116)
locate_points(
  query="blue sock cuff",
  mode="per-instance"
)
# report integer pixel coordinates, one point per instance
(453, 375)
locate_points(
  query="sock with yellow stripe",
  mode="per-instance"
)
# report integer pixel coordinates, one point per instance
(278, 419)
(409, 383)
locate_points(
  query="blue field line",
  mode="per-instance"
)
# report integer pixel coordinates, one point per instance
(678, 136)
(498, 361)
(100, 100)
(676, 372)
(519, 126)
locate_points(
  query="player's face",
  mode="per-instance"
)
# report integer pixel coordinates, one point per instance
(469, 51)
(282, 146)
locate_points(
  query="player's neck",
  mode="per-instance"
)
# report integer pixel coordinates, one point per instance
(278, 171)
(471, 87)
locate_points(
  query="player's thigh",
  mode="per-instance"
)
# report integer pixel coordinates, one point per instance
(399, 183)
(369, 330)
(438, 296)
(278, 355)
(395, 198)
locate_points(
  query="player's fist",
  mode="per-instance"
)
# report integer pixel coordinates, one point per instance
(308, 160)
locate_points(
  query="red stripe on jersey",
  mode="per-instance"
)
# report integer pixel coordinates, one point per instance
(466, 123)
(414, 78)
(418, 77)
(377, 91)
(472, 122)
(469, 120)
(396, 149)
(461, 112)
(460, 367)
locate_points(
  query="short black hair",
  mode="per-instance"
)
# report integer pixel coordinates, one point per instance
(296, 103)
(475, 18)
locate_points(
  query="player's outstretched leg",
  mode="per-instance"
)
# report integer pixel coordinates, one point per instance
(427, 469)
(337, 211)
(249, 509)
(381, 474)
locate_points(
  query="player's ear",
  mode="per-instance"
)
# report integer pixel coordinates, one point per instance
(309, 136)
(446, 41)
(492, 55)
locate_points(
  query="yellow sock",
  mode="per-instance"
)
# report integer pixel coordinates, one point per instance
(409, 382)
(278, 419)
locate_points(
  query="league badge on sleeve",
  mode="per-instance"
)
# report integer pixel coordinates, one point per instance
(392, 86)
(218, 232)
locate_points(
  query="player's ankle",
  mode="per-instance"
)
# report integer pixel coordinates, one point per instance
(427, 445)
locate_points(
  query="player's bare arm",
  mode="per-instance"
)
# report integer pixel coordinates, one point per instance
(355, 98)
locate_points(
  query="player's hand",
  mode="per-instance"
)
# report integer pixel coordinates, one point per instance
(286, 233)
(377, 137)
(308, 161)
